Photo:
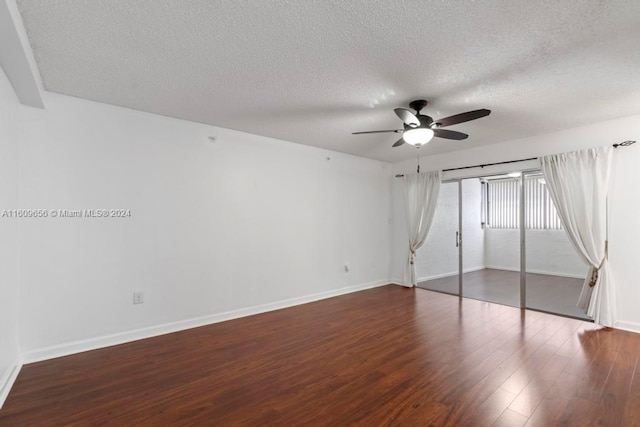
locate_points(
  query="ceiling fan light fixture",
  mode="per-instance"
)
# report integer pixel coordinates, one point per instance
(419, 136)
(419, 129)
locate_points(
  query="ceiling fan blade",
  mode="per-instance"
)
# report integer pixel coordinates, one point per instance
(398, 142)
(378, 131)
(450, 134)
(463, 117)
(407, 116)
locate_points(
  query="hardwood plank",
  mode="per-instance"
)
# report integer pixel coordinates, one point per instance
(511, 418)
(386, 356)
(519, 380)
(631, 415)
(602, 364)
(614, 395)
(548, 412)
(489, 411)
(531, 396)
(482, 398)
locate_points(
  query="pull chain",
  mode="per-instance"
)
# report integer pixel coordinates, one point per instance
(418, 157)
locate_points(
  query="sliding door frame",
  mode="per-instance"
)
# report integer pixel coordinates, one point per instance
(523, 243)
(523, 234)
(460, 239)
(524, 173)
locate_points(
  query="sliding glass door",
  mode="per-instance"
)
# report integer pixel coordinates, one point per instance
(491, 233)
(438, 260)
(554, 271)
(498, 238)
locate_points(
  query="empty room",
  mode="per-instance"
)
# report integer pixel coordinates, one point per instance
(319, 213)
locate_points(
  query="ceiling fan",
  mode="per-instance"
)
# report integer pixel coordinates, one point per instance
(420, 129)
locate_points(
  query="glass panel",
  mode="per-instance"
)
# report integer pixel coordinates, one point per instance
(555, 272)
(437, 260)
(491, 239)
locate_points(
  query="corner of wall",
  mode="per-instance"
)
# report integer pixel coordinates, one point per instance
(8, 379)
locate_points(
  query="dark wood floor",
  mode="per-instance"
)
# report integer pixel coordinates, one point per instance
(386, 356)
(553, 294)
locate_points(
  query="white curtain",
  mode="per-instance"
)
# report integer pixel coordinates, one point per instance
(578, 183)
(420, 198)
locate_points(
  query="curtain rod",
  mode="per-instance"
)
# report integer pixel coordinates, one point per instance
(620, 144)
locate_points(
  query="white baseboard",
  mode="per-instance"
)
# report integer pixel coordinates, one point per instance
(7, 380)
(628, 326)
(453, 273)
(546, 273)
(397, 282)
(166, 328)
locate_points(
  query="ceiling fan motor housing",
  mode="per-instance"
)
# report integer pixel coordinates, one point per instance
(425, 122)
(418, 104)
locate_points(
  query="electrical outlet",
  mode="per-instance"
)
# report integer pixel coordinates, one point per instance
(138, 297)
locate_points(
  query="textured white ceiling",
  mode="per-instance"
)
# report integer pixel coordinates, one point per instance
(314, 71)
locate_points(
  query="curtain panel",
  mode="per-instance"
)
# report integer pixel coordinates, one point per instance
(578, 183)
(420, 199)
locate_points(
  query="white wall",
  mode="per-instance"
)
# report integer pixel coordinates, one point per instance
(624, 204)
(214, 227)
(547, 251)
(624, 232)
(10, 135)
